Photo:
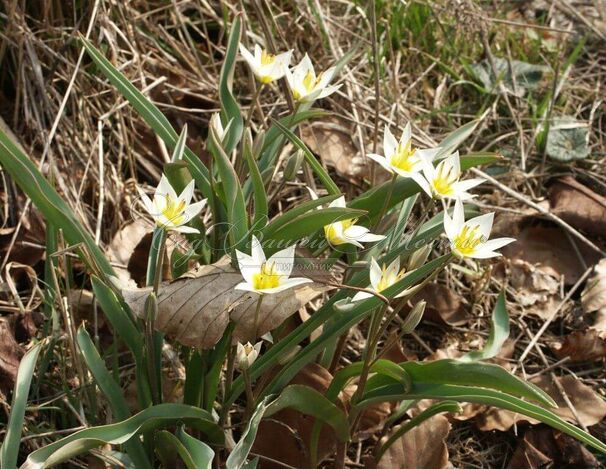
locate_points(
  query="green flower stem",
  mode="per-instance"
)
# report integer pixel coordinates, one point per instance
(229, 378)
(257, 311)
(387, 199)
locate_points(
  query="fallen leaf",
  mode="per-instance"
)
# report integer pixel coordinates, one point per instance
(10, 356)
(567, 139)
(590, 407)
(547, 248)
(581, 346)
(517, 77)
(332, 141)
(423, 447)
(578, 205)
(593, 297)
(545, 447)
(285, 436)
(196, 308)
(443, 304)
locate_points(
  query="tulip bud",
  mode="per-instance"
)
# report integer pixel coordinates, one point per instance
(414, 317)
(247, 354)
(292, 165)
(418, 258)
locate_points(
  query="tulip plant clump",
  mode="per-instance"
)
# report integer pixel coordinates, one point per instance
(264, 265)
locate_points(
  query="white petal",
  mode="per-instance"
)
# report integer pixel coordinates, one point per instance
(483, 222)
(464, 186)
(375, 273)
(455, 162)
(248, 57)
(244, 286)
(327, 76)
(328, 91)
(248, 266)
(361, 295)
(389, 143)
(340, 202)
(394, 267)
(257, 347)
(428, 153)
(164, 188)
(257, 251)
(458, 216)
(186, 229)
(147, 203)
(355, 231)
(381, 160)
(484, 254)
(494, 244)
(188, 192)
(406, 135)
(258, 53)
(371, 238)
(283, 260)
(305, 66)
(192, 210)
(422, 182)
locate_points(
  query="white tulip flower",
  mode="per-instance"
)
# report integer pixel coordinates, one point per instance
(266, 276)
(401, 157)
(470, 238)
(172, 212)
(247, 354)
(382, 278)
(265, 66)
(442, 181)
(217, 125)
(306, 86)
(346, 231)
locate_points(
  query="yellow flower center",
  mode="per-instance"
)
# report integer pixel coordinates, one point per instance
(334, 231)
(309, 82)
(404, 157)
(173, 210)
(248, 348)
(267, 58)
(444, 180)
(266, 278)
(467, 241)
(388, 280)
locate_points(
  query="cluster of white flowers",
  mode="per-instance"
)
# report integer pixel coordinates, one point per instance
(268, 276)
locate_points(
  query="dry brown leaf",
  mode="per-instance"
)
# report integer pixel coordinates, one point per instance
(332, 141)
(593, 297)
(285, 436)
(578, 205)
(423, 447)
(544, 447)
(10, 356)
(443, 304)
(581, 346)
(590, 408)
(196, 308)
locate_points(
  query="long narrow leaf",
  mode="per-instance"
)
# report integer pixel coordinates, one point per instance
(230, 111)
(10, 447)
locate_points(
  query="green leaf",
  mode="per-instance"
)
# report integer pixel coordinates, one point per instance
(112, 391)
(449, 371)
(152, 418)
(12, 439)
(316, 166)
(516, 76)
(308, 401)
(151, 114)
(567, 139)
(454, 139)
(237, 457)
(445, 406)
(499, 332)
(25, 173)
(234, 198)
(194, 453)
(230, 111)
(496, 399)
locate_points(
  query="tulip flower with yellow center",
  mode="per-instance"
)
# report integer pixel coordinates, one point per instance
(470, 238)
(400, 157)
(247, 354)
(346, 231)
(382, 278)
(305, 85)
(443, 181)
(266, 276)
(171, 211)
(265, 66)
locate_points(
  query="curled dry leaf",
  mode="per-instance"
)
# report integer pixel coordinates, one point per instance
(423, 447)
(443, 304)
(10, 356)
(331, 140)
(285, 436)
(578, 205)
(593, 297)
(196, 308)
(581, 346)
(590, 407)
(544, 447)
